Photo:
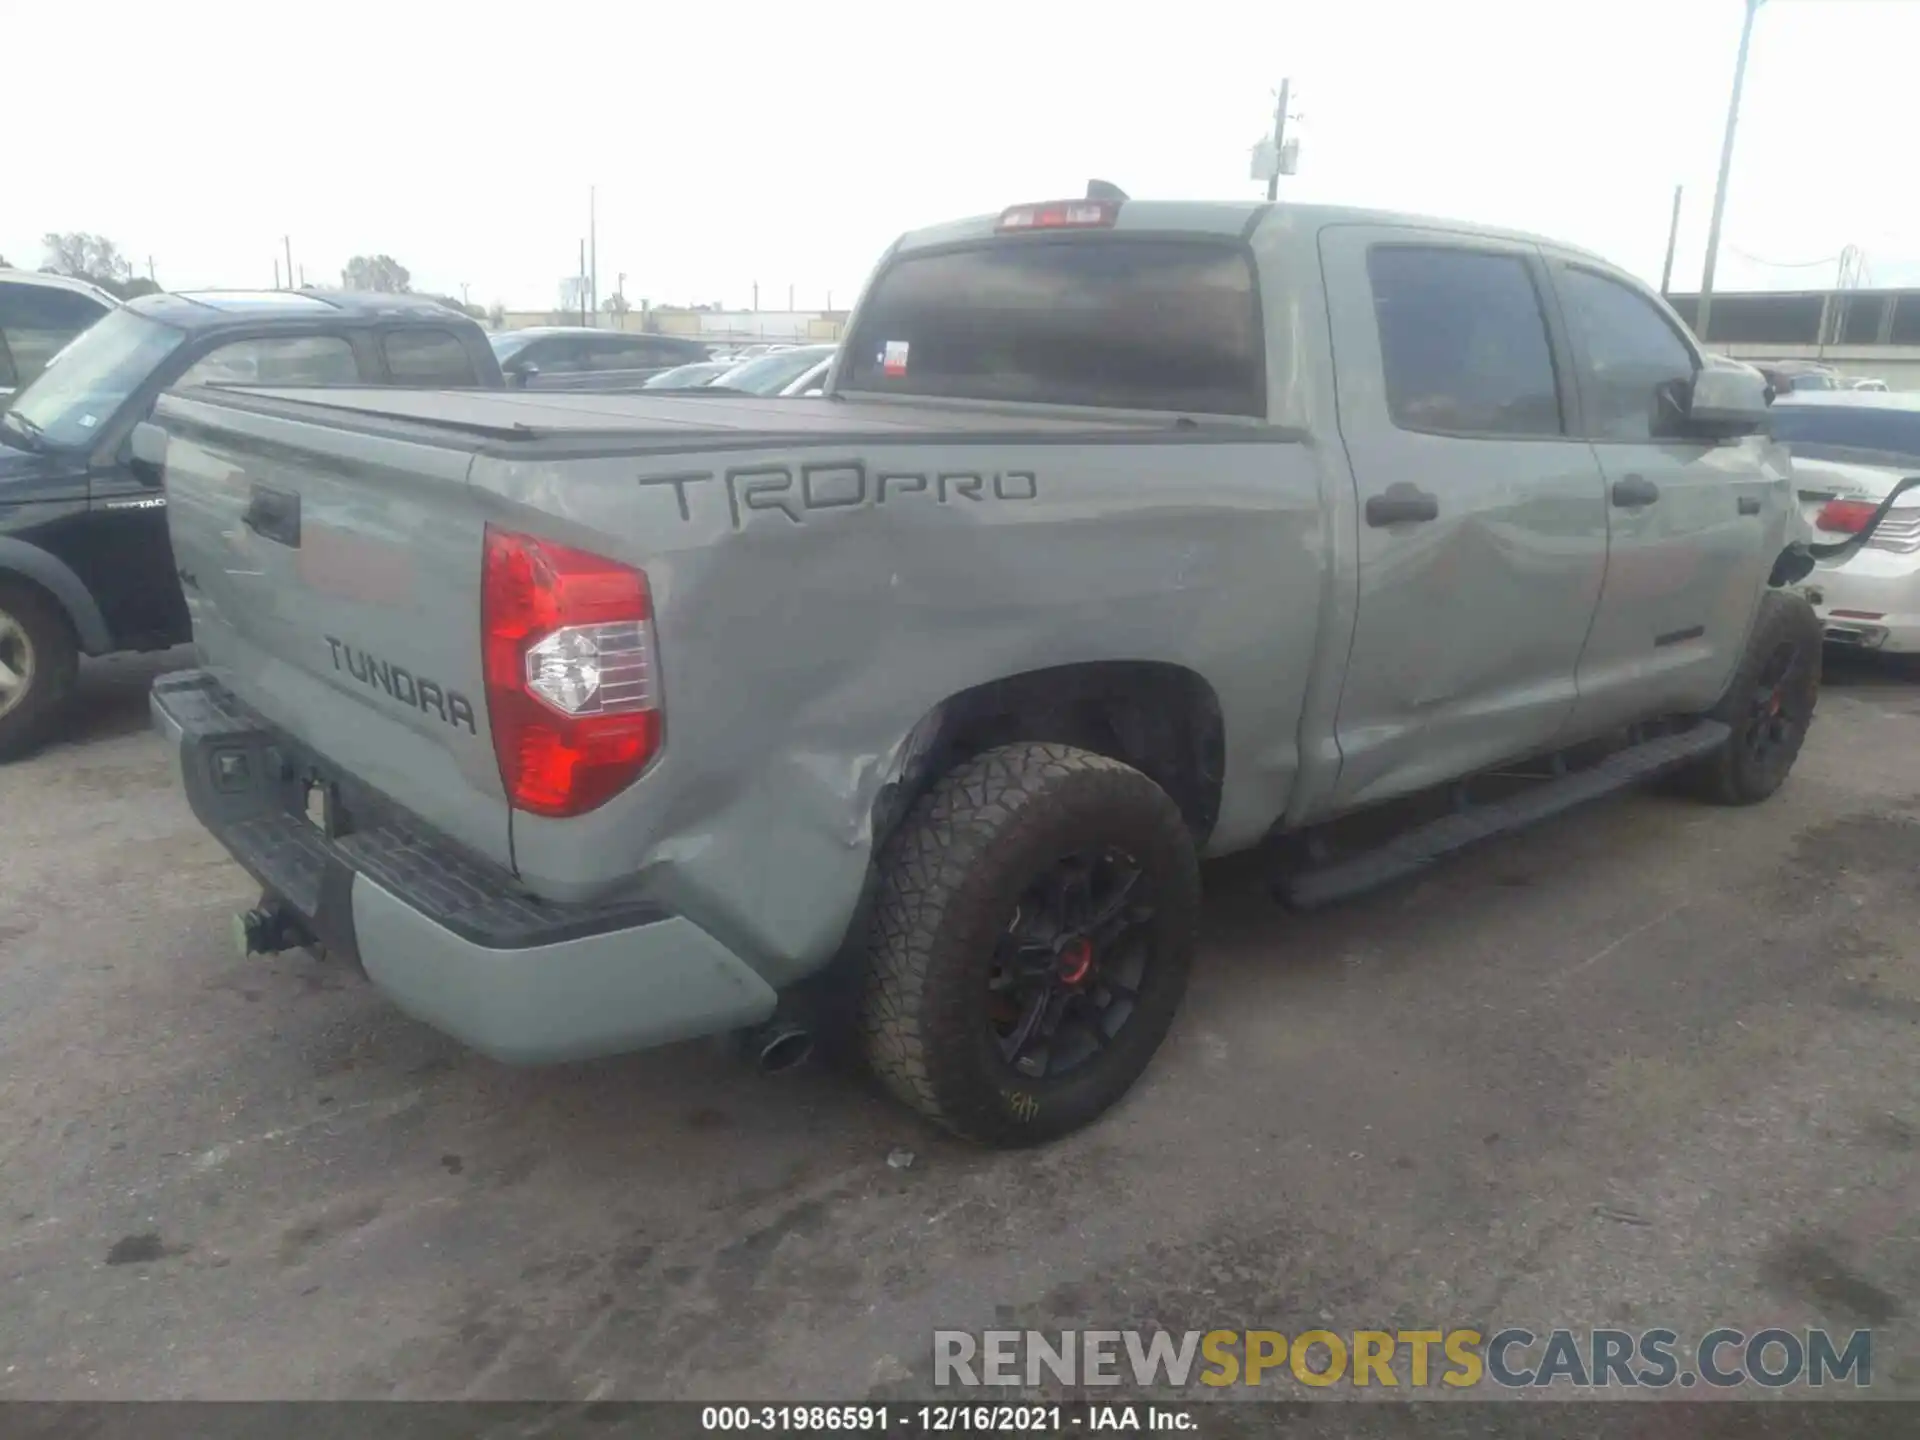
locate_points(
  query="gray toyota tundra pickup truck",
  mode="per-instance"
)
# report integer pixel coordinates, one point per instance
(1126, 533)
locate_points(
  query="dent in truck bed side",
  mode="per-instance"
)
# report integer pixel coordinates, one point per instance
(814, 604)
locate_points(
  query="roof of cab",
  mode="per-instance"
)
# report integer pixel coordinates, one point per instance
(1229, 218)
(197, 309)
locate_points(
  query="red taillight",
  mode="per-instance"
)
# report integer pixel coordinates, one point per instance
(572, 693)
(1061, 215)
(1849, 517)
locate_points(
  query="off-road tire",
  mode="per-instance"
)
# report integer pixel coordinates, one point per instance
(55, 664)
(950, 881)
(1735, 774)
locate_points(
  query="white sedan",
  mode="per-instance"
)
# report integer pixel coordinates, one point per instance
(1851, 447)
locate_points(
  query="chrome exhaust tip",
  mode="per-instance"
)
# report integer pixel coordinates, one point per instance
(780, 1046)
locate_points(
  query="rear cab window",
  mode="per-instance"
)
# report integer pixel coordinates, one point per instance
(1110, 321)
(428, 358)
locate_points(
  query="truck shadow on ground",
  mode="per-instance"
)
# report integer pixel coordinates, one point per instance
(1843, 666)
(110, 699)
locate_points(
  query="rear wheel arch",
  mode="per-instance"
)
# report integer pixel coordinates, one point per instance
(1162, 719)
(29, 565)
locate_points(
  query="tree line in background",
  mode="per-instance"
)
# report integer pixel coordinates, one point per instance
(385, 275)
(93, 258)
(98, 260)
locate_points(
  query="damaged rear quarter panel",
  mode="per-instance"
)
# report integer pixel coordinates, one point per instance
(815, 604)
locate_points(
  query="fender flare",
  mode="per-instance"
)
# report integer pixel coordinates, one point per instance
(52, 574)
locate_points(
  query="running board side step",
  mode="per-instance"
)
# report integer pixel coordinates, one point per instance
(1413, 850)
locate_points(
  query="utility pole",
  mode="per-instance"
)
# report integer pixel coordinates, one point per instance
(276, 272)
(1673, 239)
(1726, 166)
(303, 277)
(1279, 138)
(620, 289)
(789, 299)
(593, 251)
(463, 292)
(583, 282)
(756, 297)
(287, 240)
(150, 274)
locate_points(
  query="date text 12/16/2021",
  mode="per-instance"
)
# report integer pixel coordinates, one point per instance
(946, 1419)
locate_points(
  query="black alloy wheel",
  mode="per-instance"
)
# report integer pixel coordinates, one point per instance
(1069, 970)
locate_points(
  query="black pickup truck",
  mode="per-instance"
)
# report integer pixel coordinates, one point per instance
(86, 567)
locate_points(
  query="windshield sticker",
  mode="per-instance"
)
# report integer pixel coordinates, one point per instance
(894, 361)
(87, 422)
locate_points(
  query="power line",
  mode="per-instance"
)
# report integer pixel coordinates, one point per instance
(1785, 264)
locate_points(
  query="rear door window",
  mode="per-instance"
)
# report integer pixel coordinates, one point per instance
(1107, 321)
(277, 360)
(428, 357)
(1463, 341)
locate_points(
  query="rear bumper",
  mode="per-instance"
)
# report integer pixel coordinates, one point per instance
(451, 938)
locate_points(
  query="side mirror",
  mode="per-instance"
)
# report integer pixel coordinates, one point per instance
(146, 453)
(521, 376)
(1727, 399)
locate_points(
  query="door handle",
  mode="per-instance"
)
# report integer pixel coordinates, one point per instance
(1749, 505)
(273, 515)
(1632, 490)
(1399, 504)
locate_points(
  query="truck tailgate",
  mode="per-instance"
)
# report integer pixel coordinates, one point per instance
(334, 585)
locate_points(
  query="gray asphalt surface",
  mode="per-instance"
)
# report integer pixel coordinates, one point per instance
(1654, 1064)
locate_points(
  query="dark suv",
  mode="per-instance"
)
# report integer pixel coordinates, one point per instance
(568, 357)
(85, 564)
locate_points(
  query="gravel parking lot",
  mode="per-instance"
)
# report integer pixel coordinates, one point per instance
(1651, 1065)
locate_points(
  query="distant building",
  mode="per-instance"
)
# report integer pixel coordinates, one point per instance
(1858, 332)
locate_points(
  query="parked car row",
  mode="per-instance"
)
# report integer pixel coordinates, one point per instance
(565, 357)
(85, 563)
(793, 370)
(1794, 376)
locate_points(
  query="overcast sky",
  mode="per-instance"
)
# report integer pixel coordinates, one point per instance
(786, 144)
